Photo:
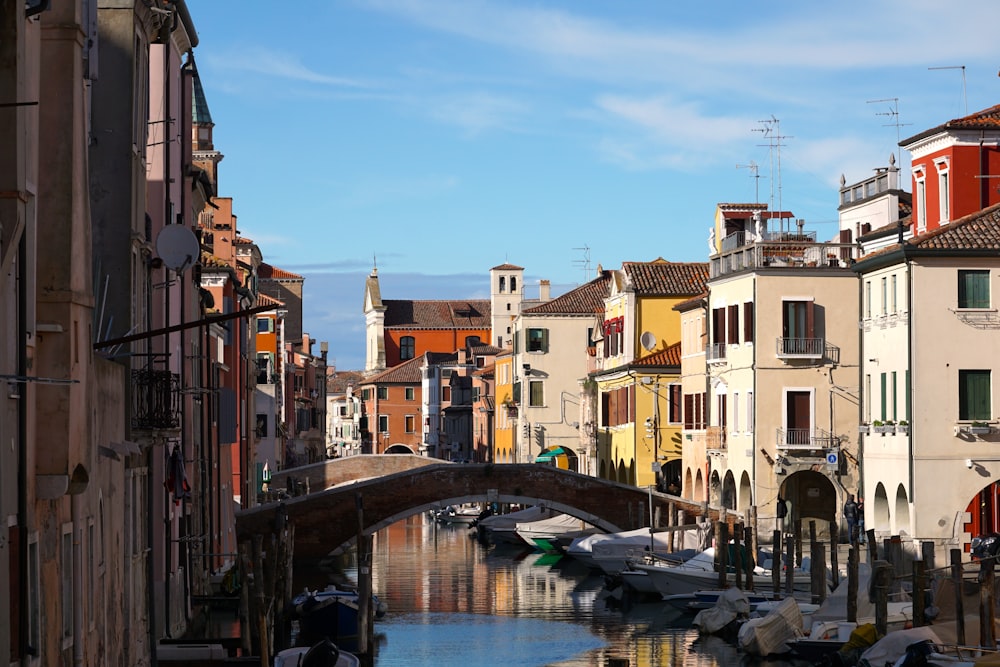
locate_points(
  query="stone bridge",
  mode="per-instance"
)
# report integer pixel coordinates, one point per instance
(327, 519)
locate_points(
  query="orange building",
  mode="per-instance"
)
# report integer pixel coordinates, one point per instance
(398, 330)
(391, 400)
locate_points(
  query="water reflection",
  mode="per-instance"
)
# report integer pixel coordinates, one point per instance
(453, 602)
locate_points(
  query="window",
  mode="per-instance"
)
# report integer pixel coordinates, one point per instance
(736, 412)
(674, 406)
(748, 322)
(733, 322)
(446, 394)
(749, 412)
(974, 395)
(513, 285)
(885, 399)
(885, 295)
(383, 423)
(472, 341)
(798, 329)
(974, 289)
(407, 347)
(868, 299)
(538, 340)
(410, 423)
(383, 393)
(261, 429)
(66, 584)
(944, 201)
(503, 284)
(921, 201)
(893, 395)
(265, 325)
(536, 395)
(409, 393)
(868, 397)
(892, 295)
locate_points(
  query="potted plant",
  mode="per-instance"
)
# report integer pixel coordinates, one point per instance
(863, 429)
(890, 427)
(979, 428)
(903, 427)
(878, 426)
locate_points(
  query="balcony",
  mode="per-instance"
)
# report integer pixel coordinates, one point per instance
(806, 441)
(716, 353)
(715, 440)
(742, 252)
(800, 348)
(156, 400)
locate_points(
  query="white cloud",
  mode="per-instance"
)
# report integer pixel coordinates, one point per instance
(279, 65)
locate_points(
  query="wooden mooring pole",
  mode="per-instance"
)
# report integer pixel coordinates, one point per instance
(776, 563)
(957, 582)
(987, 604)
(852, 583)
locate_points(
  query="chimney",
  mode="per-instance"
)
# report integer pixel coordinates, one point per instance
(544, 290)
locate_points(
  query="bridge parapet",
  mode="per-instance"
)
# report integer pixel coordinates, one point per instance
(326, 520)
(324, 474)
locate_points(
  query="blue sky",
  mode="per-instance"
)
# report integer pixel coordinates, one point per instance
(440, 138)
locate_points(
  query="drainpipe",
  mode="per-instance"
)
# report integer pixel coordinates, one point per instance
(24, 648)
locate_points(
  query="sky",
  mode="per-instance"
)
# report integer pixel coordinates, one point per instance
(436, 139)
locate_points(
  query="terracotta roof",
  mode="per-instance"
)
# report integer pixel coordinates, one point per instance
(209, 261)
(987, 119)
(486, 349)
(671, 356)
(663, 278)
(268, 272)
(242, 240)
(692, 303)
(407, 372)
(457, 314)
(507, 267)
(265, 300)
(585, 299)
(339, 381)
(976, 231)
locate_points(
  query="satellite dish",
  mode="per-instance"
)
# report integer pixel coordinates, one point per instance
(178, 247)
(647, 340)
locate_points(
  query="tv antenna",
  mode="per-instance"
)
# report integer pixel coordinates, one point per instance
(178, 247)
(965, 96)
(585, 262)
(772, 131)
(893, 113)
(754, 169)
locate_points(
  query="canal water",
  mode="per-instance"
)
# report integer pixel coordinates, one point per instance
(453, 602)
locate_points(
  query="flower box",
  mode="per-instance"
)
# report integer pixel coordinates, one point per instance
(864, 429)
(979, 430)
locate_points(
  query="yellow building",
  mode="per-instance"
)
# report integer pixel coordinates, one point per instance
(506, 410)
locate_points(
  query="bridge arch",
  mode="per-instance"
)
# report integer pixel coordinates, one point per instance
(326, 520)
(399, 448)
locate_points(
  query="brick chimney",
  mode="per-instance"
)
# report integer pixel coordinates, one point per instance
(544, 290)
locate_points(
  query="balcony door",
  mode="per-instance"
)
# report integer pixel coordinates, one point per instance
(798, 417)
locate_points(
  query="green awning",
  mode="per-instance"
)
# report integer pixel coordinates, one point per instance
(550, 454)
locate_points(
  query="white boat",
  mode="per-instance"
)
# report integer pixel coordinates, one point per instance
(323, 654)
(609, 552)
(543, 533)
(502, 528)
(698, 573)
(465, 514)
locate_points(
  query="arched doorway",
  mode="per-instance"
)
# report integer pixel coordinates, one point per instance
(729, 491)
(714, 488)
(984, 511)
(880, 510)
(811, 497)
(746, 493)
(699, 488)
(902, 511)
(688, 485)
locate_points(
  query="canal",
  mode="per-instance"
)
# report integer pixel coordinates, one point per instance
(454, 602)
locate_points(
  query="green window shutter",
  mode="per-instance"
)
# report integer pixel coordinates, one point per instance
(907, 399)
(895, 401)
(973, 289)
(883, 381)
(545, 340)
(974, 395)
(515, 341)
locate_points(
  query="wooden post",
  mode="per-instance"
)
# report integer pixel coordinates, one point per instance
(364, 548)
(817, 566)
(957, 582)
(722, 551)
(752, 523)
(852, 583)
(882, 573)
(834, 565)
(750, 538)
(260, 583)
(672, 519)
(776, 562)
(790, 557)
(927, 554)
(737, 556)
(919, 584)
(797, 533)
(987, 613)
(246, 632)
(872, 547)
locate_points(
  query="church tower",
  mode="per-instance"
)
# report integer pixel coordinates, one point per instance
(506, 294)
(204, 155)
(374, 325)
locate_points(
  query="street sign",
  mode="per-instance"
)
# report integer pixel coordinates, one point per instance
(656, 466)
(832, 458)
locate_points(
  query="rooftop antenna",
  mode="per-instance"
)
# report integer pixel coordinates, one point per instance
(893, 113)
(772, 130)
(756, 178)
(585, 262)
(965, 96)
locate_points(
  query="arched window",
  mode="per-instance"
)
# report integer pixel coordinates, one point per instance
(513, 285)
(406, 348)
(503, 284)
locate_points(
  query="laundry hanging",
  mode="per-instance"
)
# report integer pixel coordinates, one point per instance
(176, 482)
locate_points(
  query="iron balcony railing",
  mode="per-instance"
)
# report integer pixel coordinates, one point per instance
(805, 439)
(716, 352)
(740, 252)
(811, 348)
(156, 400)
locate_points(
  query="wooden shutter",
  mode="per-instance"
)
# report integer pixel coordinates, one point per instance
(689, 411)
(748, 322)
(733, 324)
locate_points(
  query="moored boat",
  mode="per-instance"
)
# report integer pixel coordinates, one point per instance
(321, 654)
